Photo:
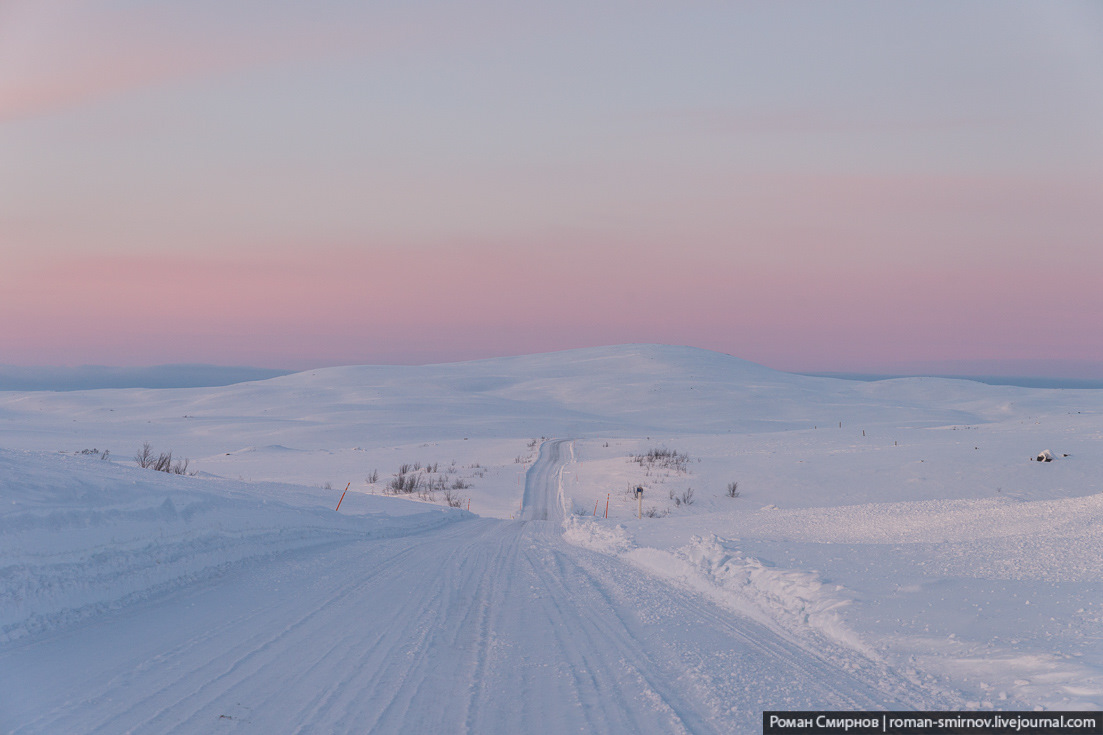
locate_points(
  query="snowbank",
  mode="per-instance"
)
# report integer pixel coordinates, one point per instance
(795, 601)
(79, 535)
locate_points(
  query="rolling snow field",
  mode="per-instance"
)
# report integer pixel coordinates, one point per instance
(805, 543)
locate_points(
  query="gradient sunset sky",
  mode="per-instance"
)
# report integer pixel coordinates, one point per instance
(847, 186)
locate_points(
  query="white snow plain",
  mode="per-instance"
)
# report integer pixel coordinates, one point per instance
(893, 544)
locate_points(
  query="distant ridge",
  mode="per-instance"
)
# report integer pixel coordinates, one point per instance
(92, 377)
(636, 390)
(1016, 381)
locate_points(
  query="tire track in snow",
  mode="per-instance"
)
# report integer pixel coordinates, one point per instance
(244, 655)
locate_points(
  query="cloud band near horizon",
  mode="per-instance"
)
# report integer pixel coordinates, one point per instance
(840, 187)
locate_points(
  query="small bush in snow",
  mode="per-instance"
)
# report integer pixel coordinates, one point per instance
(102, 455)
(161, 462)
(667, 459)
(733, 489)
(425, 480)
(145, 457)
(404, 482)
(95, 452)
(686, 498)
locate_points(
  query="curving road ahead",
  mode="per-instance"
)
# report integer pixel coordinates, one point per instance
(486, 627)
(543, 498)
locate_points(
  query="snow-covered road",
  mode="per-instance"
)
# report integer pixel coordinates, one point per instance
(483, 626)
(542, 499)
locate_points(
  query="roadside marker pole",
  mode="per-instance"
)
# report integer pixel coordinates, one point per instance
(607, 504)
(598, 500)
(342, 497)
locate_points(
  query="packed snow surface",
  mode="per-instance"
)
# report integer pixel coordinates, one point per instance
(804, 543)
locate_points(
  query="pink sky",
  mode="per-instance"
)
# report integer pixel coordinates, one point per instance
(812, 192)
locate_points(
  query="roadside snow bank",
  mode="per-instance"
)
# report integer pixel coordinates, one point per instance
(998, 598)
(797, 601)
(79, 535)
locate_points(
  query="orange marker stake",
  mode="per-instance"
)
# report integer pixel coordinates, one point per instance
(607, 505)
(595, 506)
(342, 497)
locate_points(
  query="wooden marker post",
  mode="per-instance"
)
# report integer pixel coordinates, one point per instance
(342, 497)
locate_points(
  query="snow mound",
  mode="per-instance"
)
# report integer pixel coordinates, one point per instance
(596, 536)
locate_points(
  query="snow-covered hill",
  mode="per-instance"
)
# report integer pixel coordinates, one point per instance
(631, 389)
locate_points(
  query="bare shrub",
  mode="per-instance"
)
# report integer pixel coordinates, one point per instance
(372, 478)
(404, 482)
(428, 479)
(686, 498)
(144, 457)
(733, 489)
(95, 452)
(667, 459)
(161, 462)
